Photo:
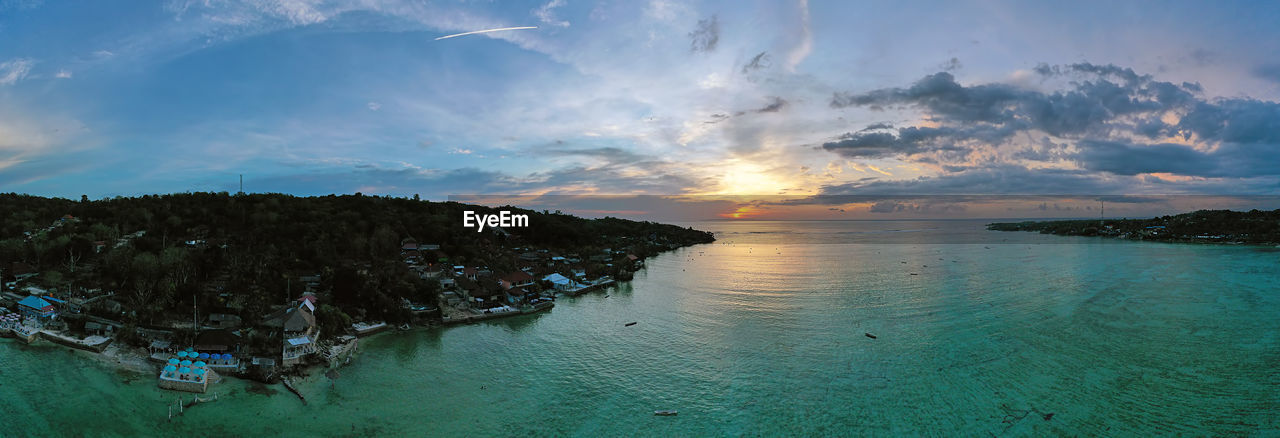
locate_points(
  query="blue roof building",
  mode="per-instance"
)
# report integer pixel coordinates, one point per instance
(35, 307)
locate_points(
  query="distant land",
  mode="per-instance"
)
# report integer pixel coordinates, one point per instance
(1252, 227)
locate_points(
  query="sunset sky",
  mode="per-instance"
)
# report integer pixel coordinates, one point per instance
(790, 108)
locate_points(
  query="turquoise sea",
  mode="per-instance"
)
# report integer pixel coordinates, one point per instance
(764, 333)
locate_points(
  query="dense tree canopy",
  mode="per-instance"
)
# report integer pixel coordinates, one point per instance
(245, 253)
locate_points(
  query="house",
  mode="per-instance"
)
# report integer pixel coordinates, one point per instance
(517, 296)
(36, 308)
(428, 247)
(159, 346)
(94, 328)
(560, 282)
(515, 279)
(224, 320)
(298, 323)
(411, 246)
(310, 298)
(469, 272)
(479, 291)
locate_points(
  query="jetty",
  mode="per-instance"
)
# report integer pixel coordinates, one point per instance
(289, 385)
(195, 400)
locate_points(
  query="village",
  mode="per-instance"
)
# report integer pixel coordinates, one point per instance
(196, 347)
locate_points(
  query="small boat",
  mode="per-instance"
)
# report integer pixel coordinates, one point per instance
(665, 413)
(869, 335)
(629, 324)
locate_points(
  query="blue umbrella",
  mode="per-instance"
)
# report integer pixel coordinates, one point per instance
(200, 363)
(204, 355)
(173, 361)
(170, 368)
(184, 370)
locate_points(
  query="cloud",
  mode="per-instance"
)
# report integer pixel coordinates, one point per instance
(1108, 120)
(995, 180)
(912, 207)
(1270, 72)
(14, 70)
(803, 47)
(546, 14)
(760, 61)
(776, 104)
(63, 74)
(705, 36)
(952, 64)
(374, 106)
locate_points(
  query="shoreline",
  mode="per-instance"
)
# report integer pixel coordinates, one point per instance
(1167, 241)
(118, 357)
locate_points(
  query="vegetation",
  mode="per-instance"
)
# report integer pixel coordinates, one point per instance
(245, 254)
(1251, 227)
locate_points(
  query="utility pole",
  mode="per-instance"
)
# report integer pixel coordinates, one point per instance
(1102, 215)
(242, 184)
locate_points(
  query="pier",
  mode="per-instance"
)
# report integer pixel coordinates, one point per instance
(288, 384)
(182, 408)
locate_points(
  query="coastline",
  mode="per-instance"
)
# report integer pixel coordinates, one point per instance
(1219, 227)
(118, 357)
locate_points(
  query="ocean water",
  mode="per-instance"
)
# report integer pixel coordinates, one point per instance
(764, 333)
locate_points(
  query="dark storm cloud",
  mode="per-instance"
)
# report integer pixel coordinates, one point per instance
(914, 207)
(1126, 159)
(982, 182)
(1095, 122)
(705, 36)
(879, 140)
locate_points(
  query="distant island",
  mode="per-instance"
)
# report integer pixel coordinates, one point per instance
(261, 285)
(1253, 227)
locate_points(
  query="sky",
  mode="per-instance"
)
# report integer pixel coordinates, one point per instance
(777, 109)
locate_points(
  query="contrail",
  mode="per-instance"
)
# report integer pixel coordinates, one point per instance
(486, 31)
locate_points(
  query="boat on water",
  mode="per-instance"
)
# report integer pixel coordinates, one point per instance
(629, 324)
(665, 413)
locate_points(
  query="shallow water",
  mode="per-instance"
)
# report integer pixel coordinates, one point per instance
(763, 337)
